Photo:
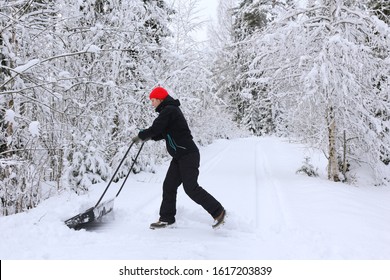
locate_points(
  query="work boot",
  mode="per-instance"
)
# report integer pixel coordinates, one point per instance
(159, 224)
(220, 219)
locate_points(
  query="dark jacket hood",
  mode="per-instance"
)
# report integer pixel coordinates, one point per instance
(169, 100)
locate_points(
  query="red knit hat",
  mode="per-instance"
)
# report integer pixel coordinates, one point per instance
(158, 93)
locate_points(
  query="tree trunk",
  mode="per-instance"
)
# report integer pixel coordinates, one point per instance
(333, 173)
(345, 166)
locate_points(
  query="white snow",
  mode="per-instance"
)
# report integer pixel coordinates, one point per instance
(9, 116)
(23, 68)
(33, 128)
(273, 214)
(91, 48)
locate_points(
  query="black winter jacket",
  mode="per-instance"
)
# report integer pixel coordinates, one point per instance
(171, 126)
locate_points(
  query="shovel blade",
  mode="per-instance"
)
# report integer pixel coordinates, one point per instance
(90, 216)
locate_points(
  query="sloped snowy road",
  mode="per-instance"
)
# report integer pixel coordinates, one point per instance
(273, 213)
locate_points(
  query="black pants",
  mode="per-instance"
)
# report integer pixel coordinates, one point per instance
(185, 170)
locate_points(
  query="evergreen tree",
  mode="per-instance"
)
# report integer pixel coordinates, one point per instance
(248, 101)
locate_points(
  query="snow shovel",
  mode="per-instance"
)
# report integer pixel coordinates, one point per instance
(96, 213)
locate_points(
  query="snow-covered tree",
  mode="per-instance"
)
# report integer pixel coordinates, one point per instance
(22, 155)
(381, 8)
(126, 42)
(323, 64)
(190, 81)
(74, 83)
(248, 101)
(221, 40)
(79, 70)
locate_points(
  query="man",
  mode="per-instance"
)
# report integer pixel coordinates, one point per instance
(184, 167)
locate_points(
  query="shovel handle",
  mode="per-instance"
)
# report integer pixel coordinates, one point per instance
(131, 168)
(117, 169)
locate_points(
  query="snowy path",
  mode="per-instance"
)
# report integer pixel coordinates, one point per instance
(273, 213)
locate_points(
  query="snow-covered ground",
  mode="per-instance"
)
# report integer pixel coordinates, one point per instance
(273, 214)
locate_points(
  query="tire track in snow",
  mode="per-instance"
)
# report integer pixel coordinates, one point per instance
(270, 208)
(208, 162)
(230, 175)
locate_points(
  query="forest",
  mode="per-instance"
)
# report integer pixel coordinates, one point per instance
(75, 77)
